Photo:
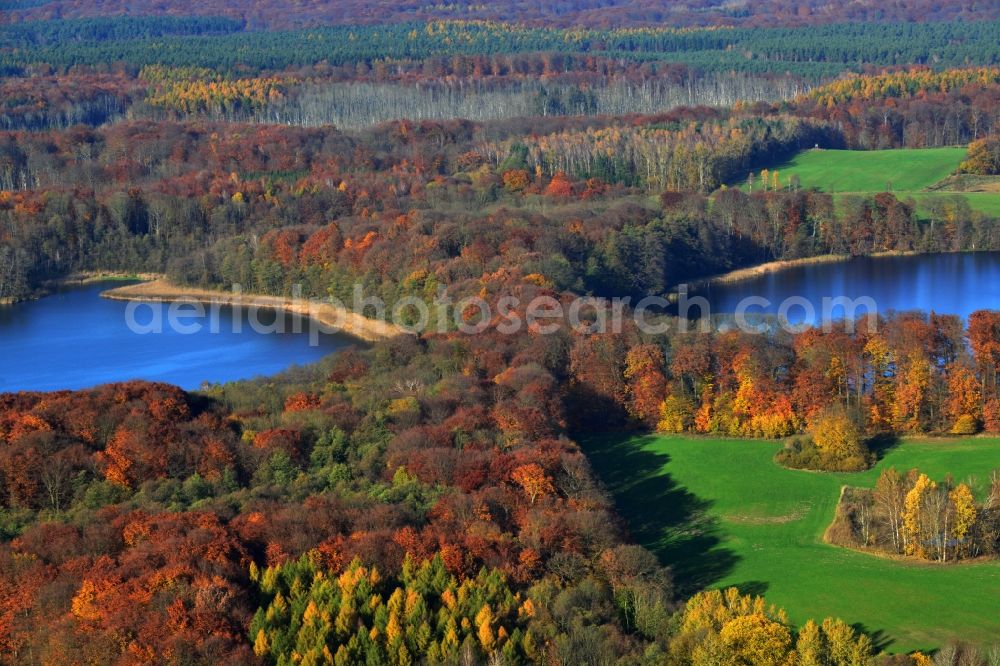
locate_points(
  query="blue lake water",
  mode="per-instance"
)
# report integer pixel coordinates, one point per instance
(956, 284)
(76, 339)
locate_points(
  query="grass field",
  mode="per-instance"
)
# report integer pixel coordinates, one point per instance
(721, 513)
(871, 170)
(985, 202)
(905, 172)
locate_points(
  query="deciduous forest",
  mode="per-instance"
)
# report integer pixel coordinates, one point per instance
(423, 499)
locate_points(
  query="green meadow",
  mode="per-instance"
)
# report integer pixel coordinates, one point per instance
(984, 202)
(871, 170)
(906, 173)
(722, 513)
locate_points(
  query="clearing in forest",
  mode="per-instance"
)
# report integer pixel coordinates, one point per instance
(924, 174)
(870, 170)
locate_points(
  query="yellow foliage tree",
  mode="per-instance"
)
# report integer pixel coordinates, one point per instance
(484, 622)
(725, 627)
(965, 511)
(911, 394)
(260, 644)
(756, 639)
(810, 646)
(913, 515)
(675, 415)
(837, 437)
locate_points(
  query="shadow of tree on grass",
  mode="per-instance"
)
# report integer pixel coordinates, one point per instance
(666, 518)
(880, 639)
(754, 588)
(882, 443)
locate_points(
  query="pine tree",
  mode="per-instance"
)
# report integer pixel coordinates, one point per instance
(260, 645)
(484, 620)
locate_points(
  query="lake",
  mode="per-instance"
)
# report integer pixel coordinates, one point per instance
(76, 339)
(956, 284)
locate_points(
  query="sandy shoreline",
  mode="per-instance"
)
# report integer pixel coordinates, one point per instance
(162, 291)
(741, 274)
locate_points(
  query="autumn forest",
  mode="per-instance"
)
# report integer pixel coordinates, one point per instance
(440, 497)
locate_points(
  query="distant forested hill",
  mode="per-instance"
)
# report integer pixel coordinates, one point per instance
(590, 13)
(225, 44)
